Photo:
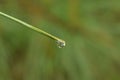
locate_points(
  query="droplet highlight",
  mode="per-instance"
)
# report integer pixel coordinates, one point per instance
(61, 43)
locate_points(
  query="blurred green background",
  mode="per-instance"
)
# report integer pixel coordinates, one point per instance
(91, 29)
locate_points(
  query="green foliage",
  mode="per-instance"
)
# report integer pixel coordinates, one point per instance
(90, 29)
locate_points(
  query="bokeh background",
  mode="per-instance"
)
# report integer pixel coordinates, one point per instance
(91, 29)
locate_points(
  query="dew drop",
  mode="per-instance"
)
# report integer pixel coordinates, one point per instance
(60, 43)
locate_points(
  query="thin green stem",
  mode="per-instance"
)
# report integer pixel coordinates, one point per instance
(33, 28)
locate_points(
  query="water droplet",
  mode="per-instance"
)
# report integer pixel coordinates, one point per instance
(60, 43)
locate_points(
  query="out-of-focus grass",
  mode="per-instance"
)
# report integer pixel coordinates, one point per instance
(90, 28)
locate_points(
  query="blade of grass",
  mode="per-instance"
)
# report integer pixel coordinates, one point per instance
(60, 42)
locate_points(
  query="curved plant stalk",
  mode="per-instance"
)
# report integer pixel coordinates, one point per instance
(60, 42)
